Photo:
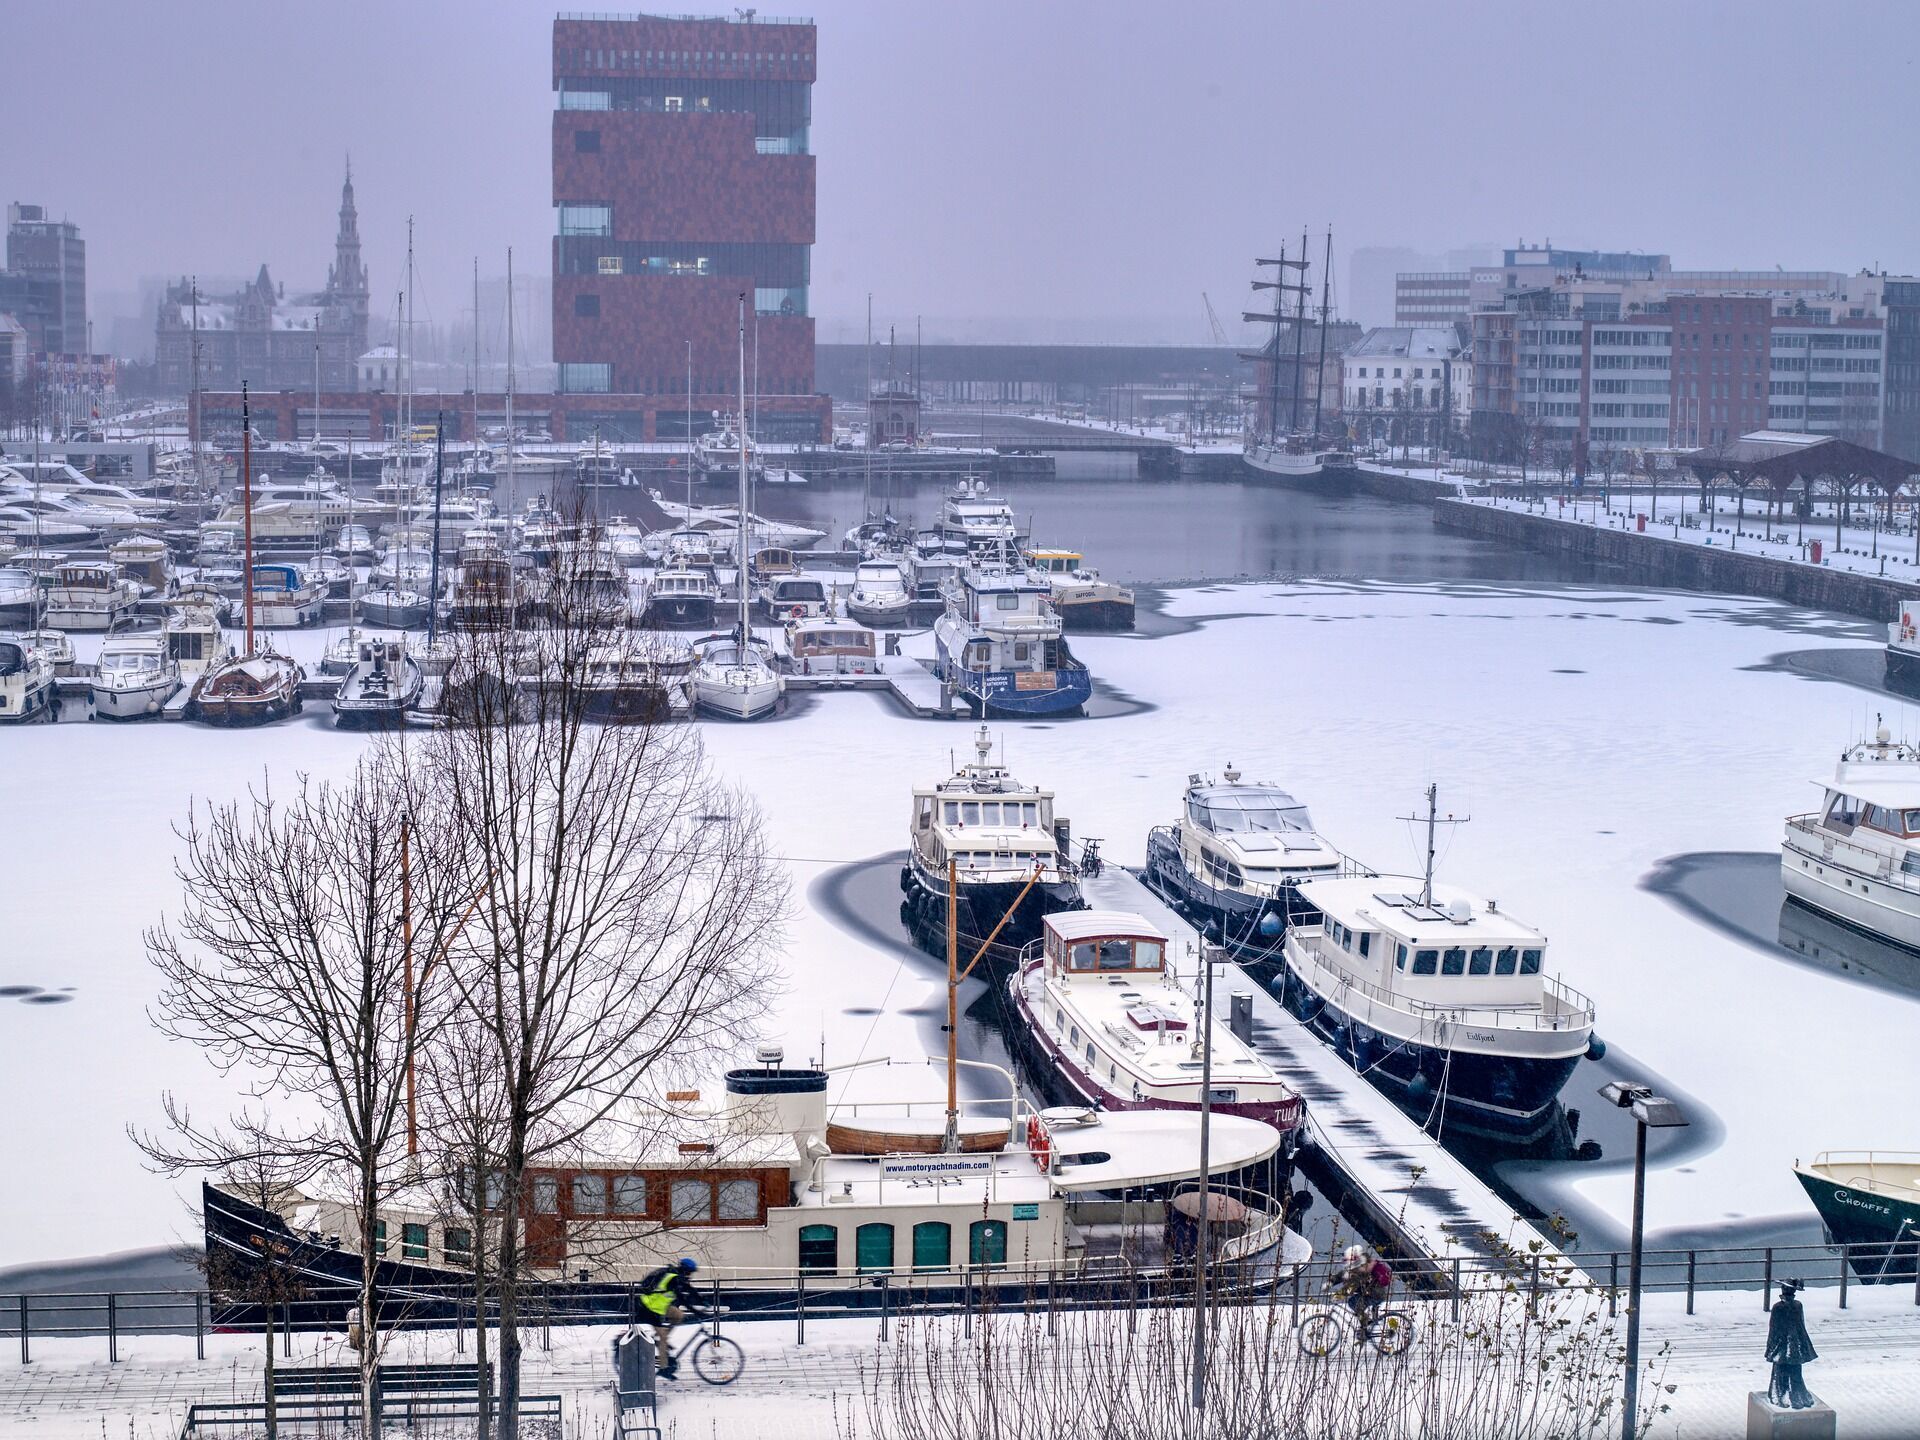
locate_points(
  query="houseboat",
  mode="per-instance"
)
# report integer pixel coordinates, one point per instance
(1001, 648)
(1857, 857)
(827, 647)
(997, 837)
(774, 1192)
(1101, 1010)
(1234, 861)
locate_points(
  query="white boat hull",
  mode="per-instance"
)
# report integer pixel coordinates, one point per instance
(134, 702)
(1865, 902)
(738, 695)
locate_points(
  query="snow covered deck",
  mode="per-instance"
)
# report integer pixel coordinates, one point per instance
(1416, 1187)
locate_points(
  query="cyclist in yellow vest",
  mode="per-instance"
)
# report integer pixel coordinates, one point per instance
(667, 1297)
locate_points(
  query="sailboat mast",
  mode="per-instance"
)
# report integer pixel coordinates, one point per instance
(1326, 316)
(1299, 335)
(688, 520)
(353, 578)
(433, 564)
(1273, 370)
(866, 510)
(740, 530)
(1433, 805)
(513, 497)
(246, 502)
(193, 423)
(476, 363)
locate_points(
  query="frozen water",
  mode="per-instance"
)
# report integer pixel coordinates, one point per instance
(1590, 733)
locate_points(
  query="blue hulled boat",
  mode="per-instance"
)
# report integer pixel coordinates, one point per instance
(1001, 648)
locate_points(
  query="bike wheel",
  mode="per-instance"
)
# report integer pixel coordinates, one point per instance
(718, 1360)
(1320, 1335)
(1393, 1332)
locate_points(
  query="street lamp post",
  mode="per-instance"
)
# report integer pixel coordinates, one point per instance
(1203, 1238)
(1649, 1111)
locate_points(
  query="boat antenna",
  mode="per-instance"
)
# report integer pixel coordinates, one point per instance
(246, 502)
(1433, 821)
(433, 561)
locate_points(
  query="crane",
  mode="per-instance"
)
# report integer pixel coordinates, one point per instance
(1213, 320)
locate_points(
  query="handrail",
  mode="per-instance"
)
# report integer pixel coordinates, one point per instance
(1583, 1012)
(1882, 871)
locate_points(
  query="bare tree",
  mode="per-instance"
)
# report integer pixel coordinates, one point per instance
(630, 911)
(291, 965)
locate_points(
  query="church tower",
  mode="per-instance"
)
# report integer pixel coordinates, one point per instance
(347, 287)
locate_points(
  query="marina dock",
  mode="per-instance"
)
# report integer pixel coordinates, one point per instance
(1414, 1190)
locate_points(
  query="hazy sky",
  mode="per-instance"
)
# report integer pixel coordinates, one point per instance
(1081, 169)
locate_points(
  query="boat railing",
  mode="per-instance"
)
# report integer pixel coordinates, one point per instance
(1859, 1169)
(1561, 1007)
(1882, 867)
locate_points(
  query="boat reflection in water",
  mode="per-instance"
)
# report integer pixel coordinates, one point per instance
(1821, 941)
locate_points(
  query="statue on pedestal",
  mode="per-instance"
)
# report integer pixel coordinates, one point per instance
(1789, 1347)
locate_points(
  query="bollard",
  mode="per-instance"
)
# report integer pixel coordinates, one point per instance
(1690, 1264)
(113, 1328)
(1844, 1267)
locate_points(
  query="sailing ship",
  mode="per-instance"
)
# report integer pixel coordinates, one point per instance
(985, 846)
(1286, 439)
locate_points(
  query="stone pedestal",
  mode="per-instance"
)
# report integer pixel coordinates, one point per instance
(1766, 1421)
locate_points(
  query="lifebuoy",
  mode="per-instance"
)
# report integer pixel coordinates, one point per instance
(797, 612)
(1039, 1143)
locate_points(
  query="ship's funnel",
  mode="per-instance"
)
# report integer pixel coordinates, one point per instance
(772, 1101)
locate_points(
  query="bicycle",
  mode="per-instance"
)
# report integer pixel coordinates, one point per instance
(716, 1359)
(1388, 1331)
(1090, 864)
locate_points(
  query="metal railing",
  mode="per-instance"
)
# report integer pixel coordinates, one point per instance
(1874, 864)
(1103, 1283)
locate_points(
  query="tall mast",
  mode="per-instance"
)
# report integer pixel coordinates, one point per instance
(740, 530)
(513, 498)
(476, 363)
(1299, 335)
(1326, 317)
(866, 512)
(353, 578)
(433, 562)
(193, 421)
(1433, 807)
(406, 326)
(316, 393)
(690, 445)
(246, 501)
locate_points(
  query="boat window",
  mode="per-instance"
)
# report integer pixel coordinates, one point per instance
(413, 1242)
(1509, 957)
(1073, 1034)
(1366, 943)
(1912, 818)
(589, 1194)
(546, 1195)
(1843, 814)
(1400, 957)
(1006, 600)
(1020, 650)
(990, 812)
(1085, 955)
(456, 1244)
(987, 1242)
(970, 813)
(1529, 962)
(1246, 812)
(630, 1194)
(379, 1237)
(932, 1245)
(1226, 1096)
(873, 1247)
(739, 1199)
(1426, 962)
(1149, 955)
(1030, 814)
(1059, 1018)
(1091, 1061)
(1482, 962)
(1454, 962)
(924, 814)
(1116, 954)
(819, 1247)
(692, 1201)
(1881, 818)
(950, 812)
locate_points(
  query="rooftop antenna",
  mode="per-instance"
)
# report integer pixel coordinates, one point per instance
(1433, 820)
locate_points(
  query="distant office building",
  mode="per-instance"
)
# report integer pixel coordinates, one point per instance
(683, 179)
(1432, 297)
(48, 262)
(258, 335)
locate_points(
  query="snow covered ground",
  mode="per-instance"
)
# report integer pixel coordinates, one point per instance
(791, 1391)
(1589, 733)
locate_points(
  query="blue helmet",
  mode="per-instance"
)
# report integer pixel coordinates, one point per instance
(689, 1264)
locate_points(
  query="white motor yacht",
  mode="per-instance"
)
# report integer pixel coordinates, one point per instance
(26, 682)
(195, 640)
(135, 677)
(1857, 857)
(879, 597)
(89, 596)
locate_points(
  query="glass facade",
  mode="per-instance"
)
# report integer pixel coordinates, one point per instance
(586, 219)
(585, 378)
(770, 266)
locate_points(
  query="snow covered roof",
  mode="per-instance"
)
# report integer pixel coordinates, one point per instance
(1091, 924)
(1406, 342)
(1392, 903)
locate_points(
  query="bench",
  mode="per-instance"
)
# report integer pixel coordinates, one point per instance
(326, 1411)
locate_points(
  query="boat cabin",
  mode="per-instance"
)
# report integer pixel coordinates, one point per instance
(1055, 562)
(796, 597)
(772, 560)
(831, 647)
(1100, 943)
(276, 579)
